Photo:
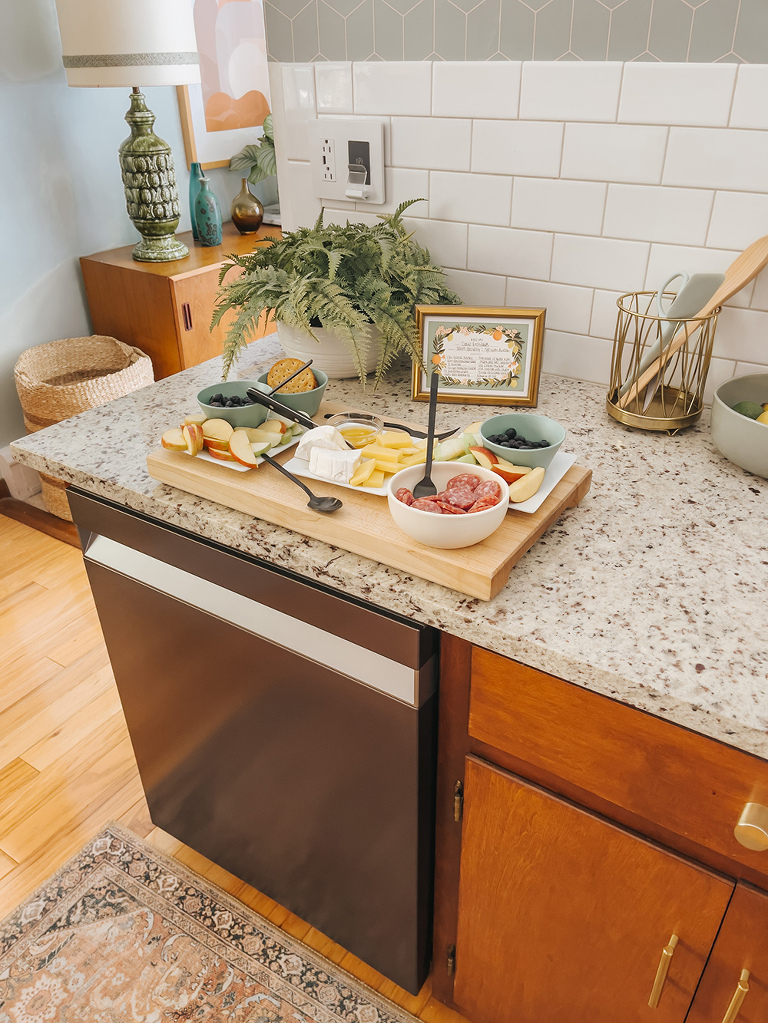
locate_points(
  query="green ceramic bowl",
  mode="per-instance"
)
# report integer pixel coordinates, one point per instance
(307, 402)
(532, 427)
(245, 415)
(742, 440)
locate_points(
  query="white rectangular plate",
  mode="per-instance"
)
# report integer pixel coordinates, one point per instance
(244, 468)
(556, 469)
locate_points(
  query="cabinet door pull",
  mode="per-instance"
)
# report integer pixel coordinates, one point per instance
(752, 829)
(458, 802)
(738, 997)
(661, 973)
(186, 314)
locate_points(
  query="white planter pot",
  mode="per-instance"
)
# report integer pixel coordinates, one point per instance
(332, 355)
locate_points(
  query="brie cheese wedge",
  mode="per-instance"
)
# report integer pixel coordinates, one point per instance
(325, 437)
(337, 466)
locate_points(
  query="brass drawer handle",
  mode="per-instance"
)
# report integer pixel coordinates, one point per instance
(752, 829)
(661, 973)
(738, 997)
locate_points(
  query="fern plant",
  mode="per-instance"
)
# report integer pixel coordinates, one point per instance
(346, 279)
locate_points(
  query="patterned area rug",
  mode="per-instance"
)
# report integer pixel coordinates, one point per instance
(123, 934)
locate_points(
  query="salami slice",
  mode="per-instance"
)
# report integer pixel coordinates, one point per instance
(404, 495)
(450, 509)
(459, 497)
(427, 504)
(488, 488)
(482, 504)
(465, 479)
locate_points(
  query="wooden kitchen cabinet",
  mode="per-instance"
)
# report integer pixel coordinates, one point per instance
(165, 309)
(575, 836)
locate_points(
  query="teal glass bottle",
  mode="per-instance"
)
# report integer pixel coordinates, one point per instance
(195, 173)
(207, 214)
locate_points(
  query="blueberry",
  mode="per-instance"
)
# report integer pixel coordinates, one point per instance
(511, 433)
(229, 404)
(543, 443)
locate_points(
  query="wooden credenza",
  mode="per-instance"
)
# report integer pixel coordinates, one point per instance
(586, 858)
(165, 309)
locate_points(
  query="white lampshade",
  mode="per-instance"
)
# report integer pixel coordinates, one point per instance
(128, 42)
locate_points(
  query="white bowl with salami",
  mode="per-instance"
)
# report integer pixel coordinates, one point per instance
(470, 504)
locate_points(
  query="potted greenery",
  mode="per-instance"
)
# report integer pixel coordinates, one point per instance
(259, 158)
(353, 285)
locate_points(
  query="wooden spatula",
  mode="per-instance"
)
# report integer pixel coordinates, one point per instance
(741, 271)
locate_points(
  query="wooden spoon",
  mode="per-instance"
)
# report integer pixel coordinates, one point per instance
(741, 271)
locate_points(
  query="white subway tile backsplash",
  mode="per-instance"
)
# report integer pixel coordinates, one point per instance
(477, 289)
(471, 198)
(677, 93)
(447, 242)
(392, 87)
(743, 369)
(741, 335)
(750, 109)
(720, 370)
(738, 218)
(577, 356)
(299, 107)
(727, 158)
(614, 152)
(506, 251)
(476, 88)
(654, 214)
(599, 262)
(570, 90)
(570, 206)
(430, 142)
(759, 299)
(333, 88)
(532, 148)
(605, 313)
(567, 308)
(402, 183)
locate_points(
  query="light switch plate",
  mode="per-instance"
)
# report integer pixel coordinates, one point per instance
(330, 159)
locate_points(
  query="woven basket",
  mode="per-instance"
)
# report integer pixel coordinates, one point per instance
(63, 378)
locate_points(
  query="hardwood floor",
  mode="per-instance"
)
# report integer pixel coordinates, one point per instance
(66, 763)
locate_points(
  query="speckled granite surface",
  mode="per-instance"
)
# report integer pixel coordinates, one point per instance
(653, 591)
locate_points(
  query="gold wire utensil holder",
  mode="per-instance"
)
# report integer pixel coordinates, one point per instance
(678, 387)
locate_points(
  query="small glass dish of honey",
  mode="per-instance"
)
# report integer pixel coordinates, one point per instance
(357, 428)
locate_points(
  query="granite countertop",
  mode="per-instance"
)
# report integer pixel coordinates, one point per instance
(653, 591)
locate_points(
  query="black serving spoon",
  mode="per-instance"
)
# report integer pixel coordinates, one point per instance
(425, 487)
(320, 504)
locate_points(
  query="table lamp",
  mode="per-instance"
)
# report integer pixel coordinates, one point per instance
(134, 43)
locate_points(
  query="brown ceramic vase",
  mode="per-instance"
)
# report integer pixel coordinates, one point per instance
(247, 211)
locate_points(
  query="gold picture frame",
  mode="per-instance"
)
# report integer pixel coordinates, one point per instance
(498, 349)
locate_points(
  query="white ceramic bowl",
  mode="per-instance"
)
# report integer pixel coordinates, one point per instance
(446, 531)
(739, 438)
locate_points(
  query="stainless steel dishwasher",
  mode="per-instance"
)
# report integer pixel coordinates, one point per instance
(284, 731)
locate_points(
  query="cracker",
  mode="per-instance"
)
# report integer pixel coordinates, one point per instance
(282, 370)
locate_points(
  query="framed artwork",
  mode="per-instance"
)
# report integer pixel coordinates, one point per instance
(483, 356)
(221, 115)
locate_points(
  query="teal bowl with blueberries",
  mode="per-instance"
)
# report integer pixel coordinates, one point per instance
(523, 438)
(229, 401)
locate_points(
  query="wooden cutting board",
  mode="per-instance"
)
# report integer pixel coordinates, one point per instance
(364, 525)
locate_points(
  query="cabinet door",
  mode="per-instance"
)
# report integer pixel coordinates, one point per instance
(563, 917)
(742, 944)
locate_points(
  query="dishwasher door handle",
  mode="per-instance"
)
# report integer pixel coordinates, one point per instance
(381, 673)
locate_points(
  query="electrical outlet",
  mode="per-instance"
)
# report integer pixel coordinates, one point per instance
(328, 159)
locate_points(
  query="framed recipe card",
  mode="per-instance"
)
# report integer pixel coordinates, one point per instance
(483, 356)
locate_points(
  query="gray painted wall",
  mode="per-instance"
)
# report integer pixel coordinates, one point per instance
(666, 30)
(60, 185)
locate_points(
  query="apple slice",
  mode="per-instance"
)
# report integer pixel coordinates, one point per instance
(220, 445)
(509, 472)
(273, 426)
(526, 486)
(193, 435)
(260, 446)
(195, 417)
(217, 430)
(256, 435)
(221, 454)
(174, 440)
(240, 449)
(484, 457)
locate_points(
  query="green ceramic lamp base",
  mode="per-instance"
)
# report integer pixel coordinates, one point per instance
(149, 180)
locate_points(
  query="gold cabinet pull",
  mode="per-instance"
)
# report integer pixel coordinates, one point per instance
(738, 997)
(752, 829)
(661, 973)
